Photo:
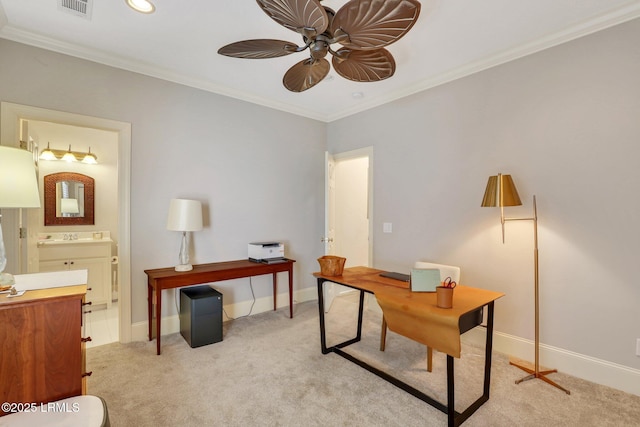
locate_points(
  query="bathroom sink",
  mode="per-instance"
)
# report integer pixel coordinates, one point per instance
(73, 238)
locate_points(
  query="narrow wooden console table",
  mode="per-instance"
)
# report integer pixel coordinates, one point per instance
(160, 279)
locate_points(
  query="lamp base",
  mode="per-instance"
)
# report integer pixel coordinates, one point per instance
(537, 374)
(184, 267)
(6, 279)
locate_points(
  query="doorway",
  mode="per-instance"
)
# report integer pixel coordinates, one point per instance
(349, 207)
(12, 117)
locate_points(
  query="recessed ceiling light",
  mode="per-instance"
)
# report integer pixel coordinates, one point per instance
(357, 95)
(143, 6)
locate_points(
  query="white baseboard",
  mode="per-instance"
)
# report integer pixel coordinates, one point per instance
(578, 365)
(171, 324)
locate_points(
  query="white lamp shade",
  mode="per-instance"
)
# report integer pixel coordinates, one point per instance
(18, 181)
(184, 215)
(69, 206)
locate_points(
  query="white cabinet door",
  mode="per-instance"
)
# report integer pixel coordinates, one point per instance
(98, 289)
(95, 258)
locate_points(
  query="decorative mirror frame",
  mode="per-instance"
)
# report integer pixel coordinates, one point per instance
(50, 182)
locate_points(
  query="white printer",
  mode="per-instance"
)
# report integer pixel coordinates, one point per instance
(260, 251)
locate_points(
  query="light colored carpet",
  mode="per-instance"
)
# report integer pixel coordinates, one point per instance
(269, 371)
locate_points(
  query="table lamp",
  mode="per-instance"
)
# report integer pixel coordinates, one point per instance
(18, 189)
(184, 215)
(501, 191)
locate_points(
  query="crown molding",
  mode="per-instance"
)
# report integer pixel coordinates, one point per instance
(25, 37)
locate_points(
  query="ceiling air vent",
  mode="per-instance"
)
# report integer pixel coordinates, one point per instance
(80, 8)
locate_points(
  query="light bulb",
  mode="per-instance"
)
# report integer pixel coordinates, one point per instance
(69, 157)
(47, 154)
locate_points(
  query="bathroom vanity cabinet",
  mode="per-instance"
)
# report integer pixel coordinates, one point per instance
(92, 255)
(41, 347)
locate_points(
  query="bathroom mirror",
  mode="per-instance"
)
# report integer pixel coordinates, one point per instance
(68, 199)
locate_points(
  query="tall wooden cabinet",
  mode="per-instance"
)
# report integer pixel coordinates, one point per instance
(41, 346)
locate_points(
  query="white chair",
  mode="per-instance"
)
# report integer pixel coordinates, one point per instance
(445, 271)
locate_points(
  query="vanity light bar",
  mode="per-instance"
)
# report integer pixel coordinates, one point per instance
(68, 155)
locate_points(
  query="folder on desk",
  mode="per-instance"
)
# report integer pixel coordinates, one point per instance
(425, 279)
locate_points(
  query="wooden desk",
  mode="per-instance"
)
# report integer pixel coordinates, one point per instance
(416, 316)
(167, 278)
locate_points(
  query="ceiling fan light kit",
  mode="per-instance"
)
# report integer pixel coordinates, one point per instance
(362, 27)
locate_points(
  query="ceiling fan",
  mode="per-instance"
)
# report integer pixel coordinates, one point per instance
(362, 27)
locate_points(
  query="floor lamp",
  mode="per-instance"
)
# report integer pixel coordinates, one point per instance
(501, 191)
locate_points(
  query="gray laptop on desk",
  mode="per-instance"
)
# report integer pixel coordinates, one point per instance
(397, 276)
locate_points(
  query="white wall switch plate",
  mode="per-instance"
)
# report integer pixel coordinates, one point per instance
(638, 347)
(387, 227)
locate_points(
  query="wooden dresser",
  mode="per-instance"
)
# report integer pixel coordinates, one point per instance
(42, 352)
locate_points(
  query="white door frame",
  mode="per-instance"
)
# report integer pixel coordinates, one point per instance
(10, 116)
(331, 290)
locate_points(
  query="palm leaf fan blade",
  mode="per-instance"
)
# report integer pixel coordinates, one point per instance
(364, 65)
(372, 24)
(258, 49)
(297, 15)
(306, 74)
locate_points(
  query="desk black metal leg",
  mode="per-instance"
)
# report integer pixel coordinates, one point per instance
(323, 336)
(451, 394)
(323, 330)
(488, 347)
(460, 418)
(360, 311)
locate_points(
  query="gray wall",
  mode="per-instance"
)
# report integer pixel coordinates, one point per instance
(565, 123)
(259, 172)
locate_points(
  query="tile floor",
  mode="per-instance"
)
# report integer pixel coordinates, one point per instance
(102, 325)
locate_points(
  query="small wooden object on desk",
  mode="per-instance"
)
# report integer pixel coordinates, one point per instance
(331, 265)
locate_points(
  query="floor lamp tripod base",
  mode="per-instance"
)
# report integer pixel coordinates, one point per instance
(538, 374)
